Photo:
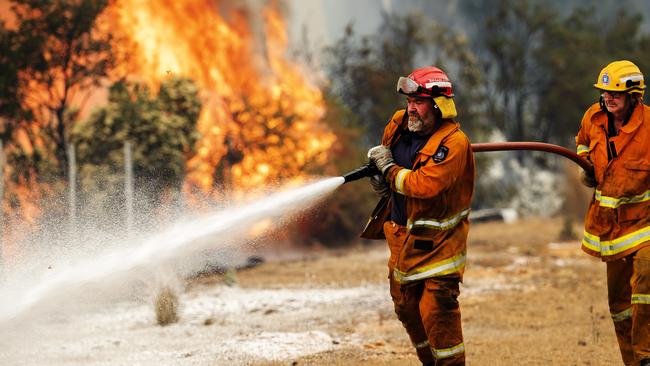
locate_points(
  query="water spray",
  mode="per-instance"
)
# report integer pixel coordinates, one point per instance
(370, 169)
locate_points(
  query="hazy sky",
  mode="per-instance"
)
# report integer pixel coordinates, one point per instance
(325, 20)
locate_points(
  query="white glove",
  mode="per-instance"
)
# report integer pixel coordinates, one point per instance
(379, 185)
(381, 156)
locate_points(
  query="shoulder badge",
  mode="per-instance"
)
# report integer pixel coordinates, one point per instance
(440, 154)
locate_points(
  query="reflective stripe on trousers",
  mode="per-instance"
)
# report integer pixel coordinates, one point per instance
(442, 268)
(448, 352)
(640, 298)
(628, 286)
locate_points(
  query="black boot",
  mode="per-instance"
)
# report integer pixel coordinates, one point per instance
(645, 362)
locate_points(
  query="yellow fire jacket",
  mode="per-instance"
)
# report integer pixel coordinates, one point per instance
(438, 190)
(618, 219)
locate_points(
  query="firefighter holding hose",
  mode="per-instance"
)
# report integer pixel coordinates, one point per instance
(614, 136)
(426, 184)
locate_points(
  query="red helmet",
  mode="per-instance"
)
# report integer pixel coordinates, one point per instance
(427, 81)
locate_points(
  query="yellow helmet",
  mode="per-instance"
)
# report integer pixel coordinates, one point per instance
(621, 76)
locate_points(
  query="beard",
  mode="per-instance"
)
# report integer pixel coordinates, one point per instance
(415, 123)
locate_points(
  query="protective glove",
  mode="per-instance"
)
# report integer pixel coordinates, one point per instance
(379, 185)
(588, 179)
(381, 156)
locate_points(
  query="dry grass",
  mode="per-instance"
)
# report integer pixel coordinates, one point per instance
(166, 306)
(552, 310)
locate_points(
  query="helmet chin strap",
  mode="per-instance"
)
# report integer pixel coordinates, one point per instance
(633, 102)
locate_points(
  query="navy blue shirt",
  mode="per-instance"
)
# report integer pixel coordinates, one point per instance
(404, 153)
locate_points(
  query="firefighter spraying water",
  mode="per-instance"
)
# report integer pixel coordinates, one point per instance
(424, 173)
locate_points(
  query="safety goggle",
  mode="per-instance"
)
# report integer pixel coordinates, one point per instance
(611, 94)
(409, 86)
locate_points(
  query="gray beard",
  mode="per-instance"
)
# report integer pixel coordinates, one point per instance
(415, 124)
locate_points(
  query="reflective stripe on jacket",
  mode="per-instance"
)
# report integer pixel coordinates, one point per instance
(617, 222)
(438, 190)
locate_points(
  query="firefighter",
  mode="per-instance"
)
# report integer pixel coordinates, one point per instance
(614, 136)
(427, 182)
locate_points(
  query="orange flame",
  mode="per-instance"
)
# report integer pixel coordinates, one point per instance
(261, 119)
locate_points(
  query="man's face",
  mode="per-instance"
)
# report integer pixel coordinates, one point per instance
(421, 117)
(616, 103)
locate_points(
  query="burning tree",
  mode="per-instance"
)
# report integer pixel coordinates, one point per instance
(62, 58)
(50, 56)
(261, 120)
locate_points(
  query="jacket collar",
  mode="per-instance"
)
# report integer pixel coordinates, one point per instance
(600, 119)
(447, 127)
(635, 119)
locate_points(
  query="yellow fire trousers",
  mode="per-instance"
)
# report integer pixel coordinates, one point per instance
(628, 286)
(429, 311)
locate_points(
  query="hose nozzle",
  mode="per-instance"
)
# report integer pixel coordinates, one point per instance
(367, 170)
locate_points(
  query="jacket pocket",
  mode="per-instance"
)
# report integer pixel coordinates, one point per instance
(421, 243)
(637, 165)
(634, 212)
(634, 187)
(634, 182)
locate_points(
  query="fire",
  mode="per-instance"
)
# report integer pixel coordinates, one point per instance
(21, 204)
(261, 117)
(260, 122)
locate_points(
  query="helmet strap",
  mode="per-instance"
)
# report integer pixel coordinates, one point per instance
(633, 102)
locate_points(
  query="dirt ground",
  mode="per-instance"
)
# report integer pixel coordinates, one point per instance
(527, 299)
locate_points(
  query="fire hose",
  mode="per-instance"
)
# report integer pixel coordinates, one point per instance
(369, 169)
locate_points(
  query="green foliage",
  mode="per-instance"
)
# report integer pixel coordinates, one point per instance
(512, 35)
(571, 72)
(161, 129)
(541, 61)
(470, 90)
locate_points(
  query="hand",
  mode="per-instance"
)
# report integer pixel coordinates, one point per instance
(379, 185)
(381, 156)
(588, 179)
